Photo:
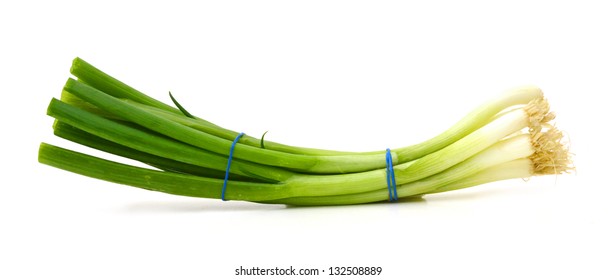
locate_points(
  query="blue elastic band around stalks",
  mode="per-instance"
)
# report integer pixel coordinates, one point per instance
(391, 177)
(224, 185)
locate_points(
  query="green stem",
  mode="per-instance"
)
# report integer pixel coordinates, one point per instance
(156, 144)
(157, 123)
(76, 135)
(100, 80)
(215, 130)
(167, 182)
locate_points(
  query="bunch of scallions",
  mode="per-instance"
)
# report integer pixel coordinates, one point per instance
(508, 137)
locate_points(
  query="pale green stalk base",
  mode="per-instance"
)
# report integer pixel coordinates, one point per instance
(520, 168)
(511, 149)
(474, 143)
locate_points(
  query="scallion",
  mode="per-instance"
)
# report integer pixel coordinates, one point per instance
(508, 137)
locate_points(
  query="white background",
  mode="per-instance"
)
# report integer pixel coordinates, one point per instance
(352, 75)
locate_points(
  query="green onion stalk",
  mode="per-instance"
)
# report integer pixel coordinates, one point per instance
(508, 137)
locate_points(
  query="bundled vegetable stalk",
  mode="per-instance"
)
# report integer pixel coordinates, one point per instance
(508, 137)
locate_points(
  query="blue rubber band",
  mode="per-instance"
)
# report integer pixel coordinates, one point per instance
(391, 177)
(224, 185)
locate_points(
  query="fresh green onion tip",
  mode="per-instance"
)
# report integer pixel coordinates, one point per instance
(263, 140)
(177, 104)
